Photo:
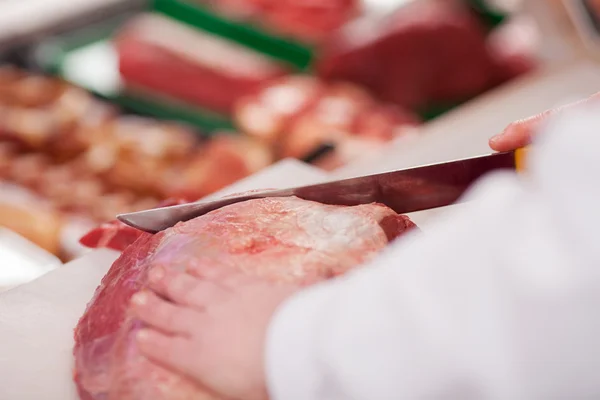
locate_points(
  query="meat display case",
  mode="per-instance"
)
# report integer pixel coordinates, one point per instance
(36, 368)
(53, 303)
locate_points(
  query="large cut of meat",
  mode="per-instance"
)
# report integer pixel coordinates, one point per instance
(427, 53)
(167, 58)
(281, 239)
(309, 21)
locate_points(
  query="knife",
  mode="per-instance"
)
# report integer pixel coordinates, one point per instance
(404, 191)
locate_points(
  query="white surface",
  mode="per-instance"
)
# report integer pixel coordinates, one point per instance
(37, 319)
(95, 67)
(36, 329)
(21, 260)
(465, 131)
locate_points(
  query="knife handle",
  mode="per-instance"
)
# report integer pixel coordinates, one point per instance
(521, 158)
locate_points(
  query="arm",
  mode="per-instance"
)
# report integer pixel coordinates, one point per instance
(497, 300)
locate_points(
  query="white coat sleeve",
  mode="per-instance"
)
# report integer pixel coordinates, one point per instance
(497, 300)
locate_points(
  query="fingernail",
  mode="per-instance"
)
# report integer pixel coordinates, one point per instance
(139, 299)
(156, 274)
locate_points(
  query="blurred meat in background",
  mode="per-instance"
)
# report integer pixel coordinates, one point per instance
(299, 114)
(206, 92)
(310, 20)
(211, 72)
(428, 52)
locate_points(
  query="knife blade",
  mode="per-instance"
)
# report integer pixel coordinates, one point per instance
(404, 191)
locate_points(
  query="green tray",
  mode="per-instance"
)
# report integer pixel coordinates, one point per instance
(295, 53)
(207, 121)
(488, 15)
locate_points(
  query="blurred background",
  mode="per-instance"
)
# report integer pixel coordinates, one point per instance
(112, 106)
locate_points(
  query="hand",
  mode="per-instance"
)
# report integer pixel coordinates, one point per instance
(520, 133)
(210, 328)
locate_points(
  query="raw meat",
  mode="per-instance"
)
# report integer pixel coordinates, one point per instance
(282, 239)
(427, 53)
(31, 217)
(169, 58)
(223, 161)
(46, 114)
(309, 21)
(115, 234)
(271, 110)
(345, 115)
(298, 114)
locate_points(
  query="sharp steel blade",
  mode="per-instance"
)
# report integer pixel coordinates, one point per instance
(404, 191)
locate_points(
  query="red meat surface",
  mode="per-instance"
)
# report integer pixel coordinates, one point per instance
(169, 58)
(426, 53)
(225, 160)
(116, 235)
(281, 239)
(299, 114)
(307, 20)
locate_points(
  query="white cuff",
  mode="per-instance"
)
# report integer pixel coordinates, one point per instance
(292, 366)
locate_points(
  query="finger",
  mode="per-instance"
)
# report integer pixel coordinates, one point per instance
(181, 355)
(212, 273)
(162, 315)
(520, 133)
(185, 289)
(171, 351)
(210, 270)
(516, 135)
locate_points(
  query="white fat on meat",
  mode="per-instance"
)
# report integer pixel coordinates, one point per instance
(266, 116)
(204, 48)
(336, 111)
(289, 98)
(331, 229)
(258, 120)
